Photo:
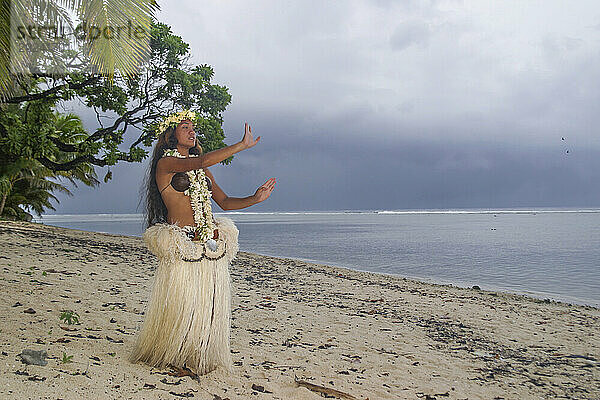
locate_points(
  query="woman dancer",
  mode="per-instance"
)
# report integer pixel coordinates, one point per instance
(188, 316)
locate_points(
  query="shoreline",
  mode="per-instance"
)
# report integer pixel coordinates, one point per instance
(365, 334)
(537, 296)
(549, 297)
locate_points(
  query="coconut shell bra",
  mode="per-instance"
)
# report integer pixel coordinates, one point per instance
(180, 181)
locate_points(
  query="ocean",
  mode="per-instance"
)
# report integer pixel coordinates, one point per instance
(544, 253)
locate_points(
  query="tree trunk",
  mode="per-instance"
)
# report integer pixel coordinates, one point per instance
(4, 196)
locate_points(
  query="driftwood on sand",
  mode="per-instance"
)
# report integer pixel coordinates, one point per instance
(323, 389)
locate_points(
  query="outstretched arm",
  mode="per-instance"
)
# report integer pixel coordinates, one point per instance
(236, 203)
(174, 164)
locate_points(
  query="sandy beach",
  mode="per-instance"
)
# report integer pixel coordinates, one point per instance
(300, 330)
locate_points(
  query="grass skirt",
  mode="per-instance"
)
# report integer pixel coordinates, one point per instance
(188, 317)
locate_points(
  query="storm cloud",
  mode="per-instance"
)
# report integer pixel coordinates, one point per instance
(391, 105)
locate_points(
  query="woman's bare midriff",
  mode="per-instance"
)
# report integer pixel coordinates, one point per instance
(179, 208)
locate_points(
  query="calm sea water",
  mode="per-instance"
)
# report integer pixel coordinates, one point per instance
(543, 253)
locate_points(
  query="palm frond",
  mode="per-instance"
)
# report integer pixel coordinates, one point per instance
(121, 46)
(5, 184)
(123, 53)
(21, 56)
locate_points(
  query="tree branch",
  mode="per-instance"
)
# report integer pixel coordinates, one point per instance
(102, 132)
(52, 91)
(63, 146)
(100, 162)
(71, 164)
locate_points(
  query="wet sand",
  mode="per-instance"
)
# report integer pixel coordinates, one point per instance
(299, 330)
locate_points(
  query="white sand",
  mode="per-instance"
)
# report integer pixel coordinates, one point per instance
(367, 335)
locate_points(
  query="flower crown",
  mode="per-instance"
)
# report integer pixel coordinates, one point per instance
(174, 119)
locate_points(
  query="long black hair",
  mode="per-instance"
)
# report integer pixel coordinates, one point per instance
(156, 210)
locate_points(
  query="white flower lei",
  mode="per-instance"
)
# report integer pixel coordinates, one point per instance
(200, 197)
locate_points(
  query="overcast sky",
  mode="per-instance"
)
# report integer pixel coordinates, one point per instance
(395, 104)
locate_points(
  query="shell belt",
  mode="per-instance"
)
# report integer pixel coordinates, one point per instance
(203, 250)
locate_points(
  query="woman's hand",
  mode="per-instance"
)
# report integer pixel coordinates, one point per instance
(263, 192)
(248, 141)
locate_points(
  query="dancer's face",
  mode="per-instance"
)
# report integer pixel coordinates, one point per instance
(184, 133)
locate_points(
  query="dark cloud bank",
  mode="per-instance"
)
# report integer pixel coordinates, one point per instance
(372, 170)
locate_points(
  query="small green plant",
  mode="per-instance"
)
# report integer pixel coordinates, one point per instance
(44, 273)
(66, 359)
(112, 354)
(70, 317)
